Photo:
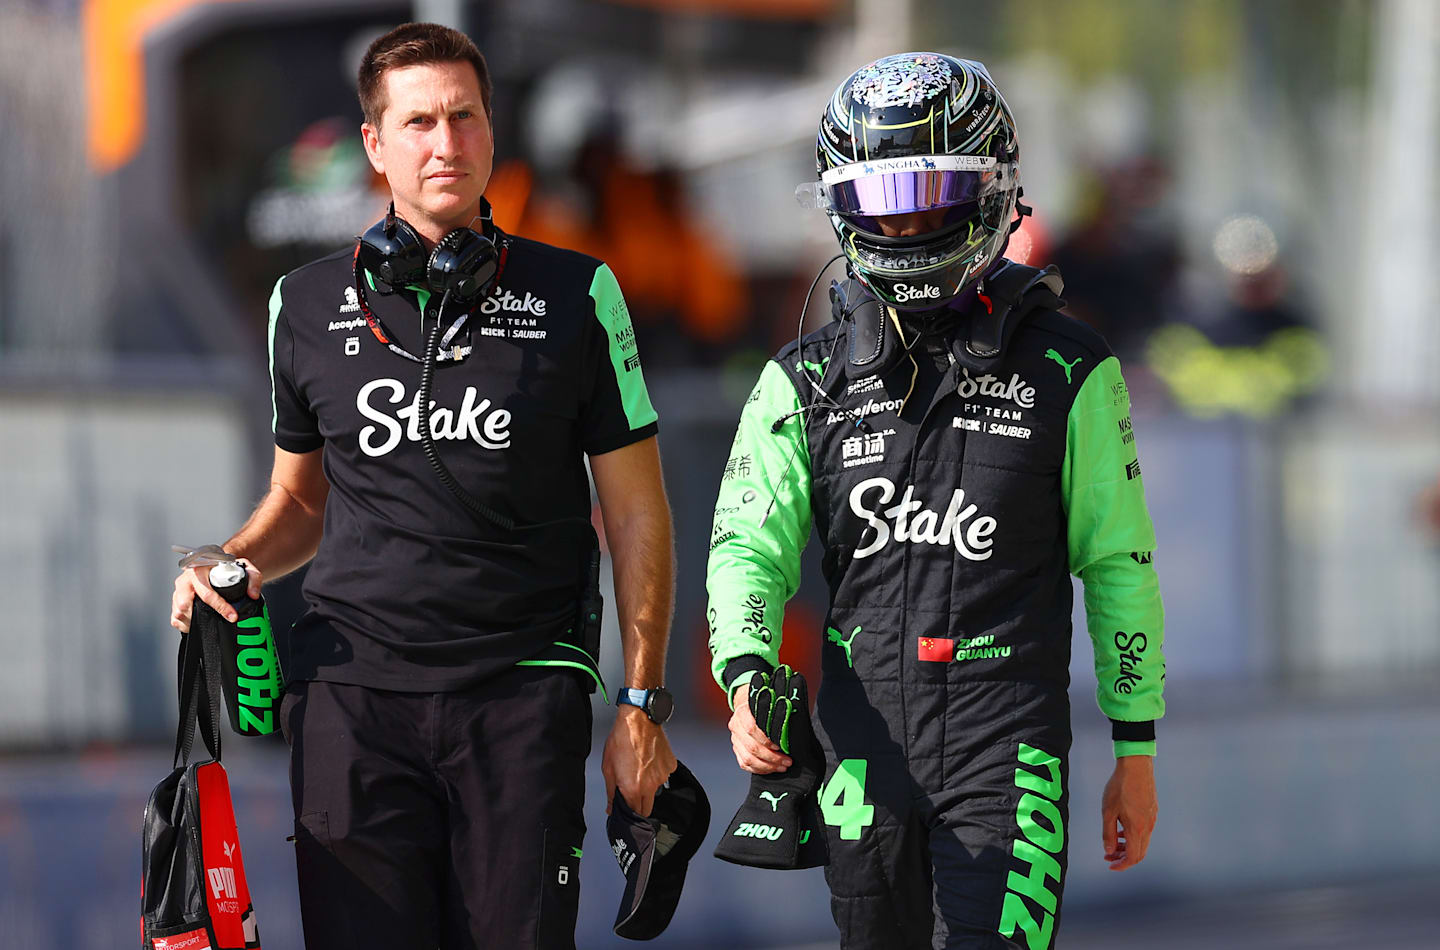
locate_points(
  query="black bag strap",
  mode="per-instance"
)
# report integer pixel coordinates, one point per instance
(199, 686)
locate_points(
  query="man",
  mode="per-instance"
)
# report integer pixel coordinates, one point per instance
(437, 709)
(962, 447)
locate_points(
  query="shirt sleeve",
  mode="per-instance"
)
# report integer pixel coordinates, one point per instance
(615, 409)
(295, 426)
(762, 522)
(1111, 547)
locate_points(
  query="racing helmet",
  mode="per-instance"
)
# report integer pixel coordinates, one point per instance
(917, 132)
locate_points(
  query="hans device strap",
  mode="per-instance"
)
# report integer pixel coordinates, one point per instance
(1009, 295)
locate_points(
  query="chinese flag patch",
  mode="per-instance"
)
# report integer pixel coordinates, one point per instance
(937, 649)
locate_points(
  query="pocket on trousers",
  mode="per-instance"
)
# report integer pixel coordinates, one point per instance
(559, 890)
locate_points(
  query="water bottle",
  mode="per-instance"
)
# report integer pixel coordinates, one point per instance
(250, 675)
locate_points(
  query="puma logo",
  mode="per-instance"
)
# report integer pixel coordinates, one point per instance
(834, 637)
(817, 368)
(774, 802)
(229, 850)
(1052, 355)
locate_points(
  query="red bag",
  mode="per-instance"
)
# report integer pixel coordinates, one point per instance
(193, 890)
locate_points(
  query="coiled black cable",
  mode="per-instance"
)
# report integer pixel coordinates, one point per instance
(427, 440)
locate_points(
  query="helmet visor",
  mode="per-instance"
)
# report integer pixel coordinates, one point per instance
(864, 191)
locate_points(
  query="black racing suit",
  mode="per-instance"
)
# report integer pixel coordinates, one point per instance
(952, 508)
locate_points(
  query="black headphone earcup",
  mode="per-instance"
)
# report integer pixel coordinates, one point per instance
(463, 264)
(393, 251)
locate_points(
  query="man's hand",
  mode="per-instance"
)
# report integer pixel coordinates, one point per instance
(781, 799)
(1128, 811)
(754, 751)
(637, 760)
(195, 582)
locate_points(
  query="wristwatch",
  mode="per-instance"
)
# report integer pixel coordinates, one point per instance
(658, 703)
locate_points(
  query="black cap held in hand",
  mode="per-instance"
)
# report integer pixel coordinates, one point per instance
(654, 853)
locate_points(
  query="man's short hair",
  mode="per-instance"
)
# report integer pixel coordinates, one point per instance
(415, 44)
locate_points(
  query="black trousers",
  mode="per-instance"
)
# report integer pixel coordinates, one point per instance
(960, 844)
(446, 820)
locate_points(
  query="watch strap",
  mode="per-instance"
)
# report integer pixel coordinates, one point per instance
(631, 697)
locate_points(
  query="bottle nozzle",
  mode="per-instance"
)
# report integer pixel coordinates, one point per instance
(226, 574)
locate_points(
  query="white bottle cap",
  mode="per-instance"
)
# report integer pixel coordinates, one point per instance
(226, 574)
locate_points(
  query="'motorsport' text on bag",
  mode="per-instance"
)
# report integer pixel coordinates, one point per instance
(193, 891)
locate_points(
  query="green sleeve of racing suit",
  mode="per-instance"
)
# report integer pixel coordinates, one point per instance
(1111, 542)
(762, 521)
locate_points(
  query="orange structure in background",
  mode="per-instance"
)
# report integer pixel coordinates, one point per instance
(665, 262)
(114, 32)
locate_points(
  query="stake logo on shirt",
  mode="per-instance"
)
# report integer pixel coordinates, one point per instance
(1014, 390)
(916, 524)
(477, 419)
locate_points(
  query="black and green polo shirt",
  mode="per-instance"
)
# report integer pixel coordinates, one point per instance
(408, 590)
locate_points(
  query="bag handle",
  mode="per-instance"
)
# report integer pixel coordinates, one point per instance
(198, 677)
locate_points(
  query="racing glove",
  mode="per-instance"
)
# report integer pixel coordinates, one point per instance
(778, 824)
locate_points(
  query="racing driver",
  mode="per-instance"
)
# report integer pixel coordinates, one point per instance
(961, 448)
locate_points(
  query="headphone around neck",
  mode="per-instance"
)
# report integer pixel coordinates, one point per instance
(465, 264)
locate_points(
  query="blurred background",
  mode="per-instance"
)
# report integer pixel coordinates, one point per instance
(1241, 194)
